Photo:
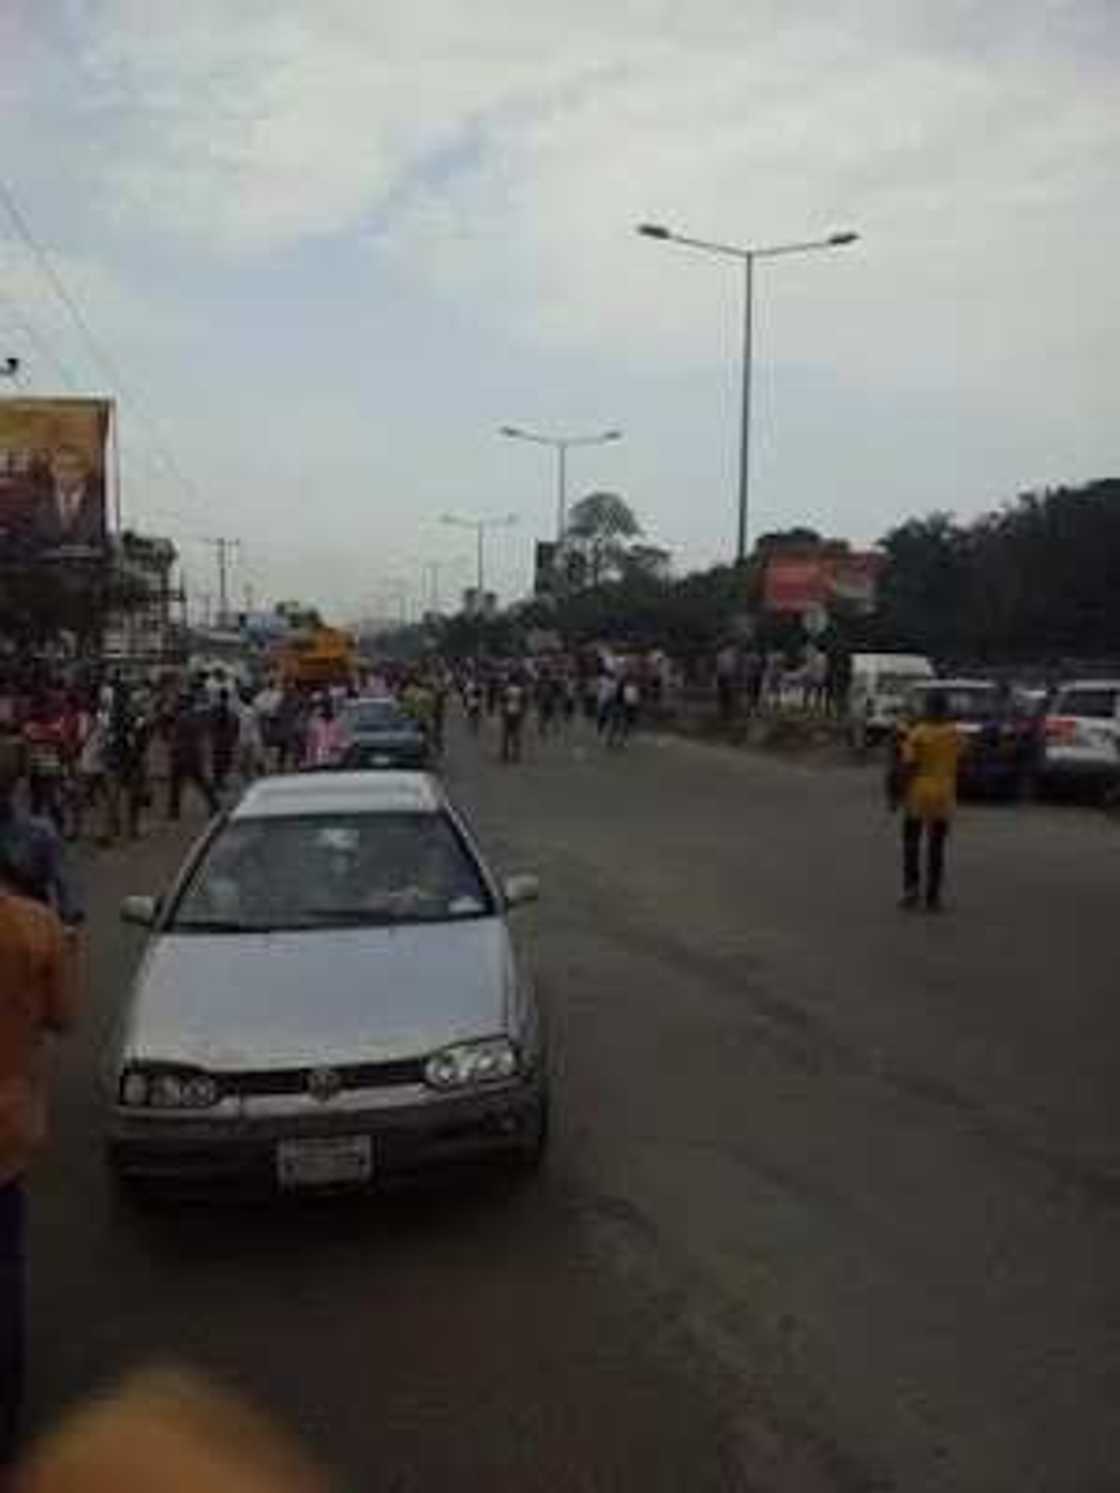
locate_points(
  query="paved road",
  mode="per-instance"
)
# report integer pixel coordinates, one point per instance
(834, 1201)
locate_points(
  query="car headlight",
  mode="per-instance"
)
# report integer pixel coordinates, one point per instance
(470, 1064)
(167, 1088)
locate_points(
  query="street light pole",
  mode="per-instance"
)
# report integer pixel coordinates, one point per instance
(745, 419)
(480, 526)
(560, 444)
(561, 491)
(748, 257)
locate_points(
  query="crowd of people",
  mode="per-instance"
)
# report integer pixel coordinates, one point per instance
(751, 679)
(554, 694)
(91, 757)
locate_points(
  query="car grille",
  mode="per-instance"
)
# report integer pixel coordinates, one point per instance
(351, 1076)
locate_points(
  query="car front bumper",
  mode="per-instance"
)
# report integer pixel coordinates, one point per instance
(1085, 769)
(205, 1152)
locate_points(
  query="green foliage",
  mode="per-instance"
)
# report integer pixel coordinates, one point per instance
(598, 528)
(1037, 579)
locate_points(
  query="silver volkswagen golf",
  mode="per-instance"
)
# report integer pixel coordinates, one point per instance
(330, 996)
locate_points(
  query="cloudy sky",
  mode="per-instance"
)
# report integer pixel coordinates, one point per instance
(329, 246)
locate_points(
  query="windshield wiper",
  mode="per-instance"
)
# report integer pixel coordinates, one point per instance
(220, 925)
(351, 916)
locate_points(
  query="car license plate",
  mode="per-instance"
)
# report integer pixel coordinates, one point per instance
(319, 1163)
(382, 759)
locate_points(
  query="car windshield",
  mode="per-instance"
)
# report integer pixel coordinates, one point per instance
(374, 715)
(965, 703)
(895, 684)
(336, 870)
(1091, 704)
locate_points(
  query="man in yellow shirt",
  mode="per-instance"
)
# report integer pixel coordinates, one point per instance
(928, 758)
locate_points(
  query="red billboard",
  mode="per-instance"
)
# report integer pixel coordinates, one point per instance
(800, 582)
(794, 583)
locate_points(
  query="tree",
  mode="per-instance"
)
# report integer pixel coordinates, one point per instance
(645, 560)
(598, 525)
(1033, 581)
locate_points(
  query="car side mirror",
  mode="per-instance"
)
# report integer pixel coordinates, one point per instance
(140, 910)
(521, 889)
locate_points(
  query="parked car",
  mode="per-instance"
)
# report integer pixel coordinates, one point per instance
(330, 996)
(879, 688)
(1081, 736)
(377, 733)
(999, 730)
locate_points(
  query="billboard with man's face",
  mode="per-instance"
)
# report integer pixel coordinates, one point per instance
(52, 477)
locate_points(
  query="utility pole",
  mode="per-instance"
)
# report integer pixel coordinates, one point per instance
(223, 549)
(478, 527)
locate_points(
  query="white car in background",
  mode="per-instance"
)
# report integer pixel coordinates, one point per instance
(881, 685)
(1081, 736)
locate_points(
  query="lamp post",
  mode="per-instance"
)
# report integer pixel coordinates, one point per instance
(479, 526)
(746, 257)
(561, 444)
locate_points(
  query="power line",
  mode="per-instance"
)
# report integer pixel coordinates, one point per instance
(38, 341)
(100, 354)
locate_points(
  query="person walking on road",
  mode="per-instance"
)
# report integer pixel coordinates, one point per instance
(606, 694)
(187, 748)
(547, 700)
(31, 849)
(472, 703)
(36, 999)
(923, 779)
(513, 718)
(324, 741)
(125, 758)
(225, 729)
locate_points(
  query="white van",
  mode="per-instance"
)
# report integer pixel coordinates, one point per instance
(880, 684)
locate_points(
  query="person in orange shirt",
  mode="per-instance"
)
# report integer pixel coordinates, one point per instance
(926, 784)
(36, 999)
(170, 1429)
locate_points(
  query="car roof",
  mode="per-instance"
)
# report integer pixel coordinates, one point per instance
(313, 793)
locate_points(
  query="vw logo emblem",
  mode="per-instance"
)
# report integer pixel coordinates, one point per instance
(323, 1083)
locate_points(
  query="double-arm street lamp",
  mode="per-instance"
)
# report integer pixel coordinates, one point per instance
(479, 527)
(747, 257)
(561, 444)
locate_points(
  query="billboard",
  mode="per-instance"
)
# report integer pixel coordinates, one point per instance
(52, 477)
(804, 582)
(793, 583)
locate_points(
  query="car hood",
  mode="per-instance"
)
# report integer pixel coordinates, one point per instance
(282, 1000)
(395, 736)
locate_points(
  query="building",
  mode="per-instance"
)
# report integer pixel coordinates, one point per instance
(139, 629)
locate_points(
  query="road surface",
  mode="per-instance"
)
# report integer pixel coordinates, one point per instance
(834, 1196)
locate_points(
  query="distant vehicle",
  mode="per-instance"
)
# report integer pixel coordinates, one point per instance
(316, 658)
(1081, 736)
(377, 733)
(999, 731)
(880, 682)
(330, 996)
